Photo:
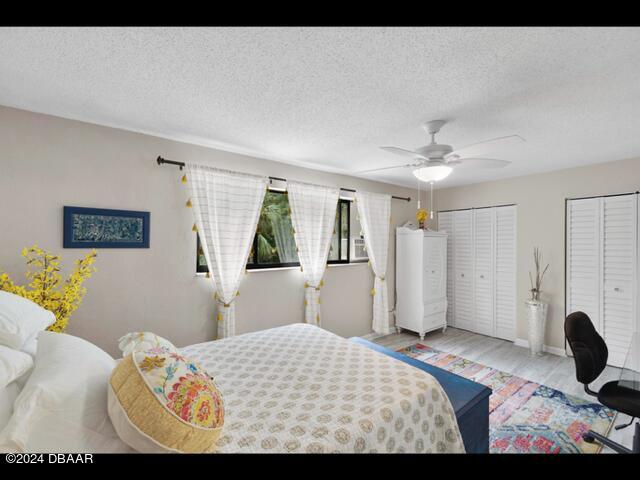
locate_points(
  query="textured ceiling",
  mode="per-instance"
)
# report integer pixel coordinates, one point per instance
(328, 97)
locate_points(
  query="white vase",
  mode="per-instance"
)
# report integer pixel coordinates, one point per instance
(537, 319)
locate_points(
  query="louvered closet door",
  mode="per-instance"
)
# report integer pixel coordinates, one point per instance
(483, 270)
(505, 227)
(445, 224)
(463, 266)
(618, 310)
(583, 258)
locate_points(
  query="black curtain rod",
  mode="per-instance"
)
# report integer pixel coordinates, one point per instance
(162, 161)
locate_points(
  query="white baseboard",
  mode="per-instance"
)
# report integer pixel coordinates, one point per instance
(521, 342)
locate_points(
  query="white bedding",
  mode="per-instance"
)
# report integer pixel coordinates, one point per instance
(63, 404)
(8, 395)
(299, 388)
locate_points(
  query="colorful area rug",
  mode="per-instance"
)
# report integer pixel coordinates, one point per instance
(526, 417)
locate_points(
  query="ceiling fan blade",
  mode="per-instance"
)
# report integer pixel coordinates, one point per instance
(478, 163)
(487, 146)
(402, 151)
(389, 168)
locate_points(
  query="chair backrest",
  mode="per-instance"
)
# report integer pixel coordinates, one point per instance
(589, 349)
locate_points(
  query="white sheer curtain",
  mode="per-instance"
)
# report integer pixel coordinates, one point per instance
(374, 210)
(226, 206)
(313, 215)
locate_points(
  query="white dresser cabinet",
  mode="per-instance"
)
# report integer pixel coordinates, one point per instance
(421, 280)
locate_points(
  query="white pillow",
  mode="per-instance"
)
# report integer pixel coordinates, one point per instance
(13, 364)
(63, 406)
(20, 319)
(31, 345)
(8, 395)
(142, 341)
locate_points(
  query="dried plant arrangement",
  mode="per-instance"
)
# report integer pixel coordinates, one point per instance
(537, 287)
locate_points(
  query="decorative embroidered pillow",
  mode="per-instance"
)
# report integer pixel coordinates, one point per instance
(142, 341)
(160, 401)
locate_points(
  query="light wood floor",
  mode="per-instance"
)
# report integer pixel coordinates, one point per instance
(551, 370)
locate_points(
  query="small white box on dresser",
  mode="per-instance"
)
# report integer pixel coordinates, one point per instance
(421, 280)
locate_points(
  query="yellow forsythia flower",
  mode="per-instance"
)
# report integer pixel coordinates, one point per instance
(46, 287)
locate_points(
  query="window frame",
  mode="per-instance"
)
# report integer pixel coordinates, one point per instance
(254, 245)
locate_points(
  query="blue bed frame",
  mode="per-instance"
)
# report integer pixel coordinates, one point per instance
(470, 400)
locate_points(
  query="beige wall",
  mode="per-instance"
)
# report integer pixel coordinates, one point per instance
(48, 162)
(541, 202)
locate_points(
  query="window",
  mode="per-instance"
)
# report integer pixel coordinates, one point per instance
(274, 244)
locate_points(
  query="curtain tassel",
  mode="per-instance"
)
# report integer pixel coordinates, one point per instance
(373, 292)
(184, 178)
(226, 305)
(194, 228)
(189, 204)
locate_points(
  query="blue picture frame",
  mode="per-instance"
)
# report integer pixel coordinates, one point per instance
(105, 228)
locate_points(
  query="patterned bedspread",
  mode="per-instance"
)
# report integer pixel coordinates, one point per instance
(301, 389)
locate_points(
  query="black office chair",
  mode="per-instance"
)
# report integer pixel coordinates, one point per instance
(590, 354)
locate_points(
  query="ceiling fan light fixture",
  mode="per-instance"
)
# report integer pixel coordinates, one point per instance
(432, 174)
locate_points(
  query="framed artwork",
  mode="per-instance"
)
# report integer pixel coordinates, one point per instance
(102, 228)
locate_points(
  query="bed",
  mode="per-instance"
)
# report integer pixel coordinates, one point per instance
(299, 388)
(292, 389)
(469, 399)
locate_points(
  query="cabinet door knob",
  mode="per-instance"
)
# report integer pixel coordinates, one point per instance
(616, 289)
(462, 274)
(481, 276)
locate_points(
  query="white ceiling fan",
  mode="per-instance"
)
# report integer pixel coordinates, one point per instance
(435, 161)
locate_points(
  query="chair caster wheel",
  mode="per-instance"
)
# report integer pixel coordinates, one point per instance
(588, 438)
